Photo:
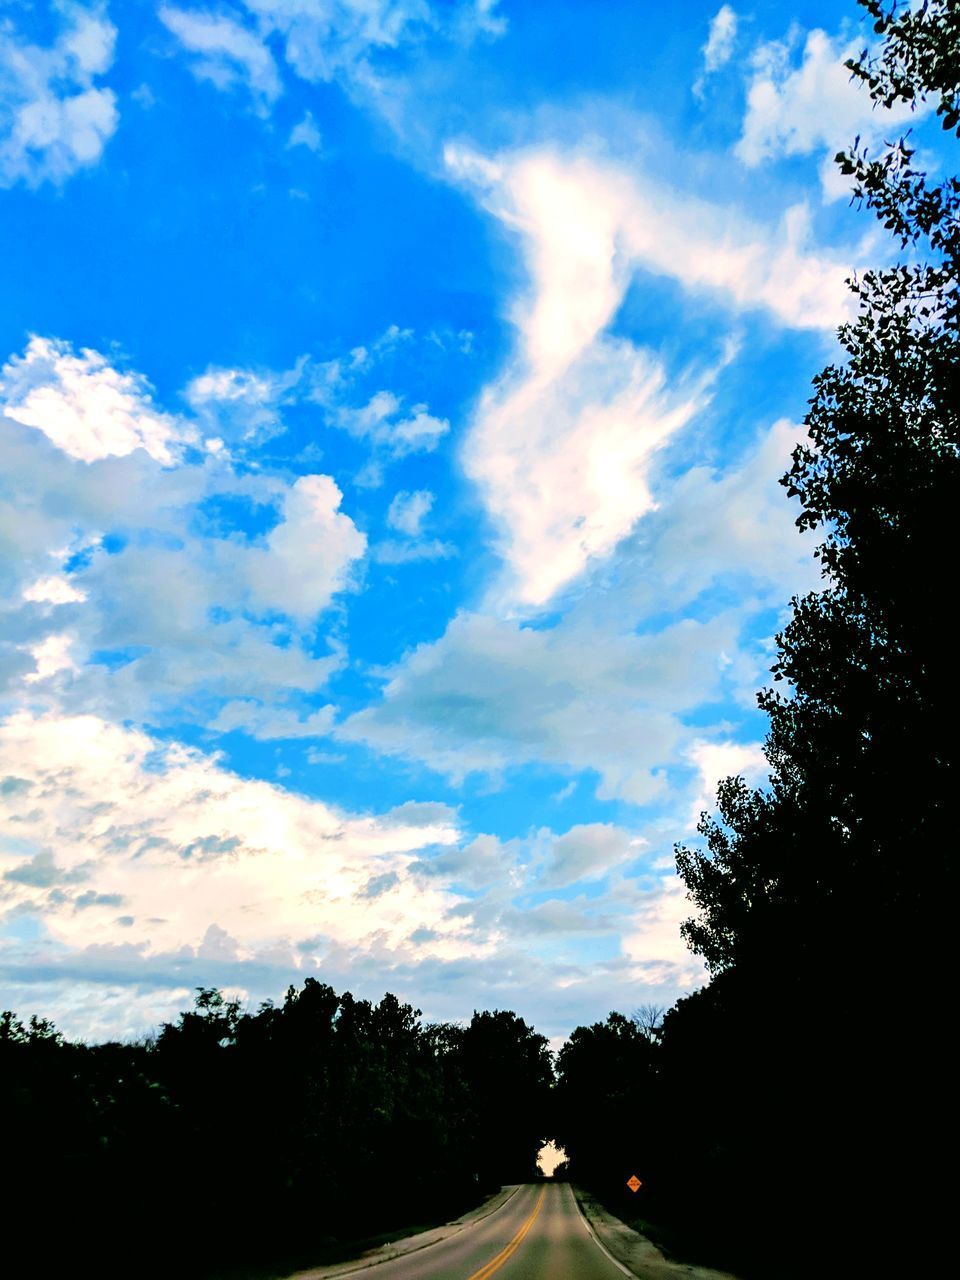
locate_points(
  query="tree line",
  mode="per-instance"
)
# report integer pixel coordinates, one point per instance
(276, 1137)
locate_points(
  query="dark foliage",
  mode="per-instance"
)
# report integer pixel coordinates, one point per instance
(275, 1137)
(603, 1114)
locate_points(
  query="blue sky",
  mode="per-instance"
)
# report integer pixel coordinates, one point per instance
(394, 396)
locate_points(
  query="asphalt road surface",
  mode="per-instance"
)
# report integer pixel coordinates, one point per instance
(538, 1234)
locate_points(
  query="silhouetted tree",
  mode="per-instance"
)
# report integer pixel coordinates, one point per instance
(507, 1070)
(606, 1118)
(832, 888)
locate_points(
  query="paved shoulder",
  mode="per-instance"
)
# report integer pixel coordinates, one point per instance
(639, 1255)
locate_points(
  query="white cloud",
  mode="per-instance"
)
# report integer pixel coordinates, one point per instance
(491, 694)
(55, 589)
(308, 555)
(714, 523)
(719, 47)
(588, 852)
(327, 39)
(655, 941)
(227, 53)
(393, 551)
(118, 592)
(814, 106)
(196, 856)
(50, 656)
(716, 760)
(169, 871)
(407, 511)
(54, 119)
(562, 461)
(718, 50)
(322, 40)
(589, 693)
(84, 406)
(243, 404)
(562, 441)
(388, 425)
(268, 722)
(306, 134)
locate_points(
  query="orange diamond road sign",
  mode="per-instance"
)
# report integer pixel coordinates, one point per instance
(634, 1183)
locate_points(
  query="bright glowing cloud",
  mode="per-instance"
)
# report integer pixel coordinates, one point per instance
(562, 441)
(85, 406)
(110, 823)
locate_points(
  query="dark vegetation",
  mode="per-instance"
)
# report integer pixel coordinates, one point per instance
(274, 1139)
(794, 1117)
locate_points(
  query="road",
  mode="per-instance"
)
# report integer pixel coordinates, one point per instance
(538, 1234)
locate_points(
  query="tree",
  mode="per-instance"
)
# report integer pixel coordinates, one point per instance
(832, 889)
(507, 1069)
(606, 1118)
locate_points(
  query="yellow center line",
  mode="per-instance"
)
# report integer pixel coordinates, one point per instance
(496, 1263)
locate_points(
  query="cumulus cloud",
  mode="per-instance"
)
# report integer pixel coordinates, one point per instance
(54, 589)
(801, 100)
(226, 53)
(54, 117)
(116, 590)
(563, 440)
(308, 555)
(716, 760)
(85, 406)
(588, 852)
(718, 50)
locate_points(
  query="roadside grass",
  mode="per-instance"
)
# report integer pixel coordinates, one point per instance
(327, 1251)
(678, 1240)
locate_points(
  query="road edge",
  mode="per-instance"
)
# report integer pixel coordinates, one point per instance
(395, 1250)
(596, 1239)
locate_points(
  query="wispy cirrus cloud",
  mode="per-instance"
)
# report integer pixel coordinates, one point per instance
(320, 41)
(563, 440)
(225, 52)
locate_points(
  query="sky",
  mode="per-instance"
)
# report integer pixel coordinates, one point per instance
(394, 395)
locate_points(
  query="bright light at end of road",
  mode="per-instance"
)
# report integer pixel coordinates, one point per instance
(550, 1156)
